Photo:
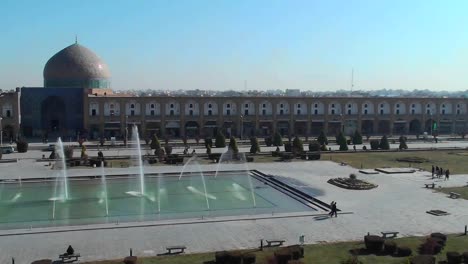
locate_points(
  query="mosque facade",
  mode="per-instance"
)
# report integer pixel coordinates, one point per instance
(76, 100)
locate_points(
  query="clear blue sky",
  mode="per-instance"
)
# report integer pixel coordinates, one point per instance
(218, 44)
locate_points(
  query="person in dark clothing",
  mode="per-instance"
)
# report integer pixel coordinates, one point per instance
(437, 170)
(441, 172)
(433, 170)
(70, 250)
(447, 174)
(332, 205)
(335, 211)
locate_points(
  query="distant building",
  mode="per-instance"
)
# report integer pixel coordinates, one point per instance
(77, 101)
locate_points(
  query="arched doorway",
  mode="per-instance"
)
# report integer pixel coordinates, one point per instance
(192, 129)
(384, 127)
(430, 126)
(415, 127)
(8, 133)
(367, 127)
(53, 117)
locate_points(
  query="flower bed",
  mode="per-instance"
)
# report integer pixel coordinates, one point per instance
(352, 184)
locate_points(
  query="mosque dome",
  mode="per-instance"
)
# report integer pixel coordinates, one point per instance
(76, 66)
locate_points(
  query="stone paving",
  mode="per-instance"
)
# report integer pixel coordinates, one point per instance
(399, 203)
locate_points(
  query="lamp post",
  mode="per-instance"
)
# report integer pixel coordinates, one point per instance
(1, 132)
(241, 125)
(342, 124)
(432, 121)
(126, 130)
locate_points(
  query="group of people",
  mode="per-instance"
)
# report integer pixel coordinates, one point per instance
(440, 172)
(333, 210)
(186, 150)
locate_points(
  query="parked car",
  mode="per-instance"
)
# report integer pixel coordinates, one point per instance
(7, 149)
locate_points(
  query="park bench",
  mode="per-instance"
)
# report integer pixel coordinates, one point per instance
(430, 185)
(454, 195)
(69, 257)
(274, 242)
(389, 234)
(177, 249)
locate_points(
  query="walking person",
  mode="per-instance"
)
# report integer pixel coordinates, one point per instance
(447, 174)
(335, 211)
(331, 209)
(441, 172)
(433, 170)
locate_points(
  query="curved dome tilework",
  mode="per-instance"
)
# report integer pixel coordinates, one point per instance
(76, 66)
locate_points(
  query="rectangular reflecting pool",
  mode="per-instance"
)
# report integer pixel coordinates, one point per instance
(91, 200)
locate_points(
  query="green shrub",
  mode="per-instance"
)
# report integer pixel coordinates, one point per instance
(351, 260)
(208, 149)
(314, 146)
(373, 243)
(208, 142)
(220, 141)
(403, 143)
(384, 143)
(255, 147)
(268, 141)
(277, 140)
(168, 149)
(357, 138)
(341, 140)
(374, 144)
(323, 148)
(68, 152)
(287, 147)
(233, 145)
(155, 142)
(298, 147)
(22, 146)
(322, 139)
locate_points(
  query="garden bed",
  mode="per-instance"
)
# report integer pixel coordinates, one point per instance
(352, 184)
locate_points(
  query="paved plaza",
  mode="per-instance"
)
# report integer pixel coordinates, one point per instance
(398, 204)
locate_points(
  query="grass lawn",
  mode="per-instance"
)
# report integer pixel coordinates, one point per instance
(463, 191)
(456, 161)
(319, 253)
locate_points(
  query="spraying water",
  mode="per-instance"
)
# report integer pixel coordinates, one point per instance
(104, 186)
(60, 151)
(193, 189)
(136, 137)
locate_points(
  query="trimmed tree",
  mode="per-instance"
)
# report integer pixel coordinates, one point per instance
(220, 141)
(357, 138)
(22, 146)
(233, 145)
(403, 143)
(208, 142)
(277, 140)
(255, 146)
(374, 144)
(341, 140)
(322, 139)
(208, 149)
(155, 143)
(314, 146)
(384, 143)
(298, 147)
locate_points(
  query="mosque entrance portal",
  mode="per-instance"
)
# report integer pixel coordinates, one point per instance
(53, 116)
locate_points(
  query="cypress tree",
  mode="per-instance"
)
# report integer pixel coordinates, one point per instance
(233, 145)
(255, 146)
(357, 138)
(155, 143)
(277, 140)
(322, 139)
(384, 143)
(341, 140)
(220, 141)
(298, 147)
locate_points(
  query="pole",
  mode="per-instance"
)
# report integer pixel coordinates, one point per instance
(241, 126)
(1, 132)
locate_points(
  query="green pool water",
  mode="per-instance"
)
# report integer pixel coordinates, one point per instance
(166, 197)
